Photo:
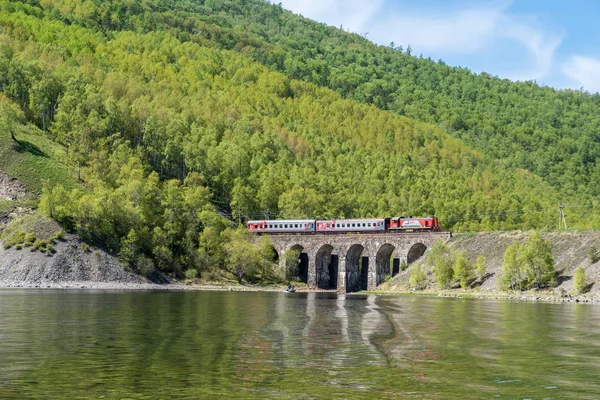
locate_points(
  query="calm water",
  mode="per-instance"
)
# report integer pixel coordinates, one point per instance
(150, 345)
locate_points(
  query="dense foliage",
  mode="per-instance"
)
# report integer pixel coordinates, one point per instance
(168, 110)
(555, 134)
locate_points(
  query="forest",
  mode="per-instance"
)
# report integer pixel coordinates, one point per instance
(181, 119)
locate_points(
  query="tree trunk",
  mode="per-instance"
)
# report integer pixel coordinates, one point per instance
(12, 135)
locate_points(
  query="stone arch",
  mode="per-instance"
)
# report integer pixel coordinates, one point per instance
(326, 264)
(382, 263)
(296, 271)
(275, 255)
(415, 252)
(357, 269)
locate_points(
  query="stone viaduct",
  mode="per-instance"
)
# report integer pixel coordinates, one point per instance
(352, 262)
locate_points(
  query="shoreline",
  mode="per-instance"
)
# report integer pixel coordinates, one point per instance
(512, 296)
(182, 286)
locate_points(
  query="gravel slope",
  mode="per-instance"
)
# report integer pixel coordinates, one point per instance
(71, 265)
(570, 250)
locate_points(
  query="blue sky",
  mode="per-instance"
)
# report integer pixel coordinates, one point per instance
(556, 43)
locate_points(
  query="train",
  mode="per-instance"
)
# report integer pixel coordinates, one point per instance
(365, 225)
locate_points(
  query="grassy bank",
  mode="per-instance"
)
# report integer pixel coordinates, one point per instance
(34, 159)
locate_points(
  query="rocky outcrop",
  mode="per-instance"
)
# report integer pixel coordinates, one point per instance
(73, 264)
(13, 189)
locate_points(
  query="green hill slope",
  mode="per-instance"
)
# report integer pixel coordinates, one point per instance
(34, 159)
(165, 122)
(554, 134)
(259, 140)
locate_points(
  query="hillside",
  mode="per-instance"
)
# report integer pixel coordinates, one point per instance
(48, 260)
(169, 113)
(551, 133)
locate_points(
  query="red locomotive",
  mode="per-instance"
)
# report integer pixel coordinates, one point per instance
(411, 224)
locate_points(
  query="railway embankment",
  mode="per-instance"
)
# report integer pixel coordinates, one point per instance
(570, 249)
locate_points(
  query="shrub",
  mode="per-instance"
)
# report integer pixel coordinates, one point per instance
(417, 279)
(593, 255)
(85, 247)
(50, 249)
(39, 245)
(191, 274)
(403, 265)
(29, 240)
(580, 281)
(18, 246)
(17, 237)
(145, 266)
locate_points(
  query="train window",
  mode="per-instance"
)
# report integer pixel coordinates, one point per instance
(285, 226)
(368, 224)
(353, 225)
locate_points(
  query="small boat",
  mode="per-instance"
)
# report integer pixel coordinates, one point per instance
(289, 289)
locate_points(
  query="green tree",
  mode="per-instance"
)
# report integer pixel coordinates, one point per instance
(443, 261)
(243, 258)
(210, 249)
(291, 260)
(443, 272)
(463, 269)
(579, 283)
(417, 278)
(267, 257)
(10, 117)
(537, 261)
(480, 268)
(511, 274)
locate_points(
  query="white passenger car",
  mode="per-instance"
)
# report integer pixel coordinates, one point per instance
(351, 225)
(282, 226)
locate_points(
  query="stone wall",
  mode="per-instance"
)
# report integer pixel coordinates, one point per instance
(348, 251)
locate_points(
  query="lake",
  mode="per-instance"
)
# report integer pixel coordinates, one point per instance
(202, 345)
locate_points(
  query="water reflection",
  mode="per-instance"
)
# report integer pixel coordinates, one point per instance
(303, 345)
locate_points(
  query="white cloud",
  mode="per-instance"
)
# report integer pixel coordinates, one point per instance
(541, 44)
(462, 31)
(473, 29)
(584, 72)
(352, 14)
